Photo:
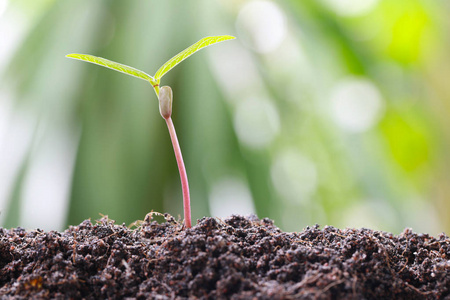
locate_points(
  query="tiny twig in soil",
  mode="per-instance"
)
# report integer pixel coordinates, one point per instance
(354, 284)
(332, 284)
(406, 262)
(416, 289)
(342, 236)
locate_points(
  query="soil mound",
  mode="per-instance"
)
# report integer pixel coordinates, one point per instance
(238, 258)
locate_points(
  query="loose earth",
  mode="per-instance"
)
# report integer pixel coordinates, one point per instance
(236, 258)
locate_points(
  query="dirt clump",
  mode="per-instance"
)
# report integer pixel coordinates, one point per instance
(238, 258)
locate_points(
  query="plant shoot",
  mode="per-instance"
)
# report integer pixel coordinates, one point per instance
(165, 98)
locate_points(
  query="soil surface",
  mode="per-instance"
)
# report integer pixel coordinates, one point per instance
(236, 258)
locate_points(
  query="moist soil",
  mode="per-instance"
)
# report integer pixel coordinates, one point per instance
(236, 258)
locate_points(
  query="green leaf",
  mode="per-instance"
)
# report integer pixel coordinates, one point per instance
(207, 41)
(113, 65)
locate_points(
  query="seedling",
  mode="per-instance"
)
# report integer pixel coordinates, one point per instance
(165, 98)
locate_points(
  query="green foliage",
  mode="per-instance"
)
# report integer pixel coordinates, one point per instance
(112, 65)
(204, 42)
(169, 65)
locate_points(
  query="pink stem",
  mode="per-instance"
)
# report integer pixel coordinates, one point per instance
(182, 170)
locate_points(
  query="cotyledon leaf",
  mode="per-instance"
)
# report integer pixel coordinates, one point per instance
(204, 42)
(207, 41)
(113, 65)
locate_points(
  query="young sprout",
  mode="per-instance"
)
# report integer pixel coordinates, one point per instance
(165, 98)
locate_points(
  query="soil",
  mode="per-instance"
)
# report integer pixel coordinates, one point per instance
(236, 258)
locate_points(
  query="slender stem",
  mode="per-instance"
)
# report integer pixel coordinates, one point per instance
(182, 170)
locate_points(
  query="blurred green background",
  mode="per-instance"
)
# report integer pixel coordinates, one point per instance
(331, 112)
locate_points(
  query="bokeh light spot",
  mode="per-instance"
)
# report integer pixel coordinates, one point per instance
(256, 122)
(3, 5)
(408, 139)
(232, 65)
(230, 196)
(356, 104)
(351, 7)
(294, 176)
(262, 25)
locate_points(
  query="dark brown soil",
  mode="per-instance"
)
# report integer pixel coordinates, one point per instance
(239, 258)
